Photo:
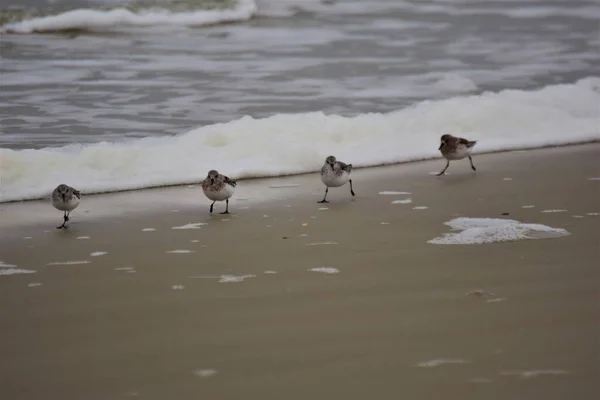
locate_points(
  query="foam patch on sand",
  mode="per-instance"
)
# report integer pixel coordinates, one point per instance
(205, 373)
(98, 253)
(405, 201)
(193, 225)
(420, 208)
(441, 361)
(270, 272)
(69, 262)
(528, 206)
(325, 270)
(554, 211)
(234, 279)
(593, 179)
(490, 230)
(34, 284)
(150, 229)
(15, 271)
(177, 287)
(392, 193)
(4, 265)
(320, 243)
(180, 251)
(536, 372)
(82, 237)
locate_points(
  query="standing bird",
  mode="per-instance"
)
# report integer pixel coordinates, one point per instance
(218, 187)
(455, 148)
(334, 174)
(65, 198)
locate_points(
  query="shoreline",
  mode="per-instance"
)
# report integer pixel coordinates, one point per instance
(355, 168)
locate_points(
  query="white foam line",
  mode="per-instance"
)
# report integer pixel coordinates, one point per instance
(34, 284)
(391, 193)
(325, 270)
(205, 373)
(177, 287)
(270, 272)
(441, 361)
(124, 269)
(234, 279)
(420, 208)
(320, 243)
(180, 251)
(554, 211)
(16, 271)
(98, 253)
(193, 225)
(82, 237)
(150, 229)
(529, 206)
(323, 208)
(592, 214)
(68, 262)
(405, 201)
(526, 374)
(593, 179)
(3, 265)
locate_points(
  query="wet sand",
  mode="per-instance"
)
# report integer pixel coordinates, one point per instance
(402, 318)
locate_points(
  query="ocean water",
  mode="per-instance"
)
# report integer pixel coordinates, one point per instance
(112, 95)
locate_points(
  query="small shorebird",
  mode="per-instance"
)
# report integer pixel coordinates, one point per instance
(218, 187)
(65, 198)
(455, 148)
(334, 174)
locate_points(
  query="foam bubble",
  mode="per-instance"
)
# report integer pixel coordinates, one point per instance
(553, 211)
(16, 271)
(234, 279)
(536, 372)
(405, 201)
(270, 272)
(490, 230)
(527, 206)
(441, 361)
(205, 373)
(34, 284)
(149, 230)
(325, 270)
(69, 262)
(177, 287)
(320, 243)
(180, 251)
(193, 225)
(98, 253)
(82, 237)
(392, 193)
(420, 208)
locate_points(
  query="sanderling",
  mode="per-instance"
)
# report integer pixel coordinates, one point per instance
(334, 174)
(218, 187)
(65, 198)
(455, 148)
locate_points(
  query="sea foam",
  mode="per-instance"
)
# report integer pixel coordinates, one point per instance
(490, 230)
(285, 144)
(103, 20)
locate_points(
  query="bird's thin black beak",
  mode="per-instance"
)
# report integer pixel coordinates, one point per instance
(441, 145)
(212, 180)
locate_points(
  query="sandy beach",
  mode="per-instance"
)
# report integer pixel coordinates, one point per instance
(148, 296)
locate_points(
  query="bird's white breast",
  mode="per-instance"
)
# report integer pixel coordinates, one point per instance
(219, 195)
(332, 180)
(69, 205)
(460, 153)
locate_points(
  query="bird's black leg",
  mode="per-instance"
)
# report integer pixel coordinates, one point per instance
(226, 207)
(325, 198)
(65, 220)
(472, 166)
(444, 170)
(211, 206)
(351, 190)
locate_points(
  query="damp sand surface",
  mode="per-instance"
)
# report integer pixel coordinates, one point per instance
(398, 302)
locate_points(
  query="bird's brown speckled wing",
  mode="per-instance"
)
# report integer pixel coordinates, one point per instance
(466, 142)
(229, 181)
